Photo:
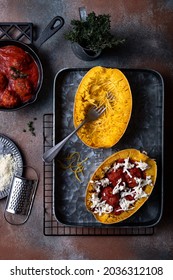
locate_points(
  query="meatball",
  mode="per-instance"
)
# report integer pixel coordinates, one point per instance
(23, 88)
(3, 81)
(9, 99)
(15, 57)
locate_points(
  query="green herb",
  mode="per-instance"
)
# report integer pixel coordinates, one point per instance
(31, 128)
(16, 73)
(94, 33)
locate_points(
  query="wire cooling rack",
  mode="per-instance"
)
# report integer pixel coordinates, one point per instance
(51, 226)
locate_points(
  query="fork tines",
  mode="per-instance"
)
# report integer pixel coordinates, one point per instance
(100, 109)
(110, 95)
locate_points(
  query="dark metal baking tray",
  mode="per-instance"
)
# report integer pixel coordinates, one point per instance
(144, 132)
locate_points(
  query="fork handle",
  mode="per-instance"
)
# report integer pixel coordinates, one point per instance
(50, 154)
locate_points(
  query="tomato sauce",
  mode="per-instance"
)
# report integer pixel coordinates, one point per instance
(19, 76)
(127, 178)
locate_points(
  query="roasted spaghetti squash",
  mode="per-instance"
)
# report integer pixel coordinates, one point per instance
(94, 89)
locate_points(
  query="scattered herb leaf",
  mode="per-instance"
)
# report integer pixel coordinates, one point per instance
(16, 73)
(31, 127)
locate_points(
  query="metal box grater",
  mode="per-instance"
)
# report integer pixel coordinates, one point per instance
(20, 200)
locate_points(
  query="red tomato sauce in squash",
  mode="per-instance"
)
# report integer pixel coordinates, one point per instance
(19, 77)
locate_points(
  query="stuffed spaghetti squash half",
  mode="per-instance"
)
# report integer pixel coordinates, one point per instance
(94, 89)
(120, 186)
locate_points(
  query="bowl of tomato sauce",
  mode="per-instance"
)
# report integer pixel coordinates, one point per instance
(20, 77)
(21, 71)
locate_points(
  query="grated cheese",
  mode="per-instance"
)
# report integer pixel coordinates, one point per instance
(120, 186)
(7, 166)
(99, 206)
(100, 183)
(141, 165)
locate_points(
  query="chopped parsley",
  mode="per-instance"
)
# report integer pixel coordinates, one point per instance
(16, 73)
(31, 127)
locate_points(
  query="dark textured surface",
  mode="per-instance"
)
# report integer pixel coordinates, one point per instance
(147, 27)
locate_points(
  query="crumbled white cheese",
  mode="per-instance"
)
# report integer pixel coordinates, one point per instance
(7, 165)
(126, 166)
(125, 204)
(100, 207)
(104, 182)
(127, 191)
(141, 165)
(95, 200)
(139, 193)
(120, 186)
(143, 182)
(100, 183)
(117, 165)
(103, 208)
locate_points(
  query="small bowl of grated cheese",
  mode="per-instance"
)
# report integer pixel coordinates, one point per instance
(10, 164)
(7, 167)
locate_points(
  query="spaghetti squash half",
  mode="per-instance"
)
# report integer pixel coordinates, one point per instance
(94, 89)
(120, 186)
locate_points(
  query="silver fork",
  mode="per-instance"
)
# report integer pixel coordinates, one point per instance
(92, 114)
